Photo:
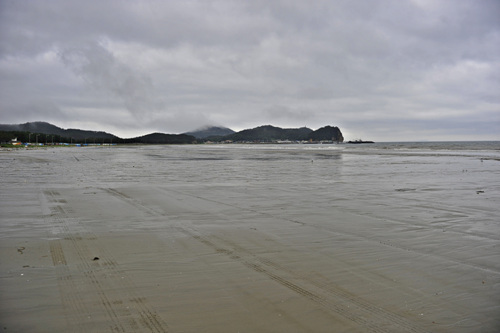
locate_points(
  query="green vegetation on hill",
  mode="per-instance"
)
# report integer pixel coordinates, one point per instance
(269, 133)
(327, 133)
(42, 132)
(210, 132)
(161, 138)
(72, 135)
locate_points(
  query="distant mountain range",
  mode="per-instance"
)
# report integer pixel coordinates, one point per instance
(46, 132)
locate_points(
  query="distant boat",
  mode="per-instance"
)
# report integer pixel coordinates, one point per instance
(359, 141)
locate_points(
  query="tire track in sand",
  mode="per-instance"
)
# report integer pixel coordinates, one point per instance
(324, 285)
(379, 240)
(75, 309)
(129, 314)
(323, 293)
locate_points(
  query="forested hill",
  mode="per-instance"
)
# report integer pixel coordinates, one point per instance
(44, 132)
(43, 128)
(270, 133)
(210, 131)
(162, 138)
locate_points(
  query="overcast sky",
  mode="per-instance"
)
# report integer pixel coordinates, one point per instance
(385, 70)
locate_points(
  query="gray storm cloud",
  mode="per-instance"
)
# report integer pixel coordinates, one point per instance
(102, 71)
(377, 69)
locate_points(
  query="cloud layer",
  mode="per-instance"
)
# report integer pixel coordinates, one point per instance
(381, 70)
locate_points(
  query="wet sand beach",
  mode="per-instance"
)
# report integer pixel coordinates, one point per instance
(250, 239)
